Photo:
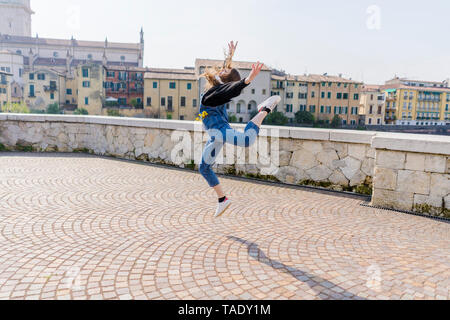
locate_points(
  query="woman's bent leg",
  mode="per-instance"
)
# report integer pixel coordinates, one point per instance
(243, 139)
(212, 150)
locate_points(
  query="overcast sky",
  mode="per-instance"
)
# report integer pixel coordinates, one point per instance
(366, 40)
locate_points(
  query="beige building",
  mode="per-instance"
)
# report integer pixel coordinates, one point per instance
(329, 96)
(293, 91)
(89, 79)
(5, 88)
(171, 94)
(43, 87)
(373, 105)
(322, 95)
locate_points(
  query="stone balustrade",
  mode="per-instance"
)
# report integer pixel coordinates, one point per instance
(405, 172)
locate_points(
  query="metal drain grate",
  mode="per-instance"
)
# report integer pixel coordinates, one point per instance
(447, 220)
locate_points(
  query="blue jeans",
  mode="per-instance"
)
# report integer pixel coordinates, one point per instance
(218, 137)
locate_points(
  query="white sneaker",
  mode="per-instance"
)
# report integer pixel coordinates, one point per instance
(222, 207)
(270, 103)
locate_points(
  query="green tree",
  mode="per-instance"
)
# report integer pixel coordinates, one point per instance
(304, 117)
(336, 122)
(15, 108)
(53, 109)
(134, 103)
(81, 111)
(113, 113)
(232, 118)
(276, 118)
(169, 116)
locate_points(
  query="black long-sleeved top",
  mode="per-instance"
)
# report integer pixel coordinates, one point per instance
(222, 94)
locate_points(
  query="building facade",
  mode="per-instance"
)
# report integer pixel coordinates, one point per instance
(89, 80)
(43, 87)
(126, 84)
(293, 91)
(411, 102)
(5, 88)
(244, 106)
(171, 94)
(373, 105)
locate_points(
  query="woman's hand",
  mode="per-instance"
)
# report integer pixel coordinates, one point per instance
(232, 48)
(256, 69)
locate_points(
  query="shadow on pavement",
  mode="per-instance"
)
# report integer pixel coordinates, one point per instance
(318, 284)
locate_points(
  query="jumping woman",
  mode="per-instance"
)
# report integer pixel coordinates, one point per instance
(224, 84)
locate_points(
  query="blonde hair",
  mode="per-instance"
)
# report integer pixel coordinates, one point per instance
(211, 73)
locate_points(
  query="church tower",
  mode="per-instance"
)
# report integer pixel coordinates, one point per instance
(15, 17)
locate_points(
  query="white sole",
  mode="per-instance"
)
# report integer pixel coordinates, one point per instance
(271, 106)
(225, 210)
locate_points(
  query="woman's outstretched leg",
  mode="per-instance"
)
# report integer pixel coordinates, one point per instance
(264, 109)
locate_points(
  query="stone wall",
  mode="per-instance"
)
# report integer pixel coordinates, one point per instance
(412, 174)
(334, 159)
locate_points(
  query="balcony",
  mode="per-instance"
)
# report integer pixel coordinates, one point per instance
(50, 88)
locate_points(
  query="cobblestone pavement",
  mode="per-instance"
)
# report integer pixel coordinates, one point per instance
(83, 227)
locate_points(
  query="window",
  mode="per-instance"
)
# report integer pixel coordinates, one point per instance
(345, 96)
(312, 109)
(253, 91)
(172, 85)
(323, 95)
(163, 102)
(155, 85)
(19, 52)
(238, 108)
(313, 94)
(181, 118)
(31, 90)
(339, 96)
(329, 95)
(86, 84)
(169, 102)
(85, 73)
(322, 109)
(110, 74)
(31, 76)
(86, 101)
(52, 96)
(189, 86)
(55, 54)
(89, 56)
(149, 101)
(194, 103)
(122, 101)
(122, 58)
(41, 76)
(356, 96)
(183, 102)
(264, 91)
(69, 91)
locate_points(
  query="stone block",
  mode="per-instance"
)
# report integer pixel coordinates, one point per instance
(440, 184)
(351, 168)
(327, 157)
(391, 159)
(357, 151)
(285, 158)
(413, 182)
(338, 178)
(368, 167)
(358, 179)
(303, 159)
(433, 202)
(435, 163)
(415, 162)
(393, 199)
(385, 179)
(319, 173)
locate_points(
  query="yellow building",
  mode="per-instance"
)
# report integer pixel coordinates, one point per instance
(373, 105)
(5, 88)
(89, 79)
(43, 87)
(322, 95)
(171, 94)
(411, 102)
